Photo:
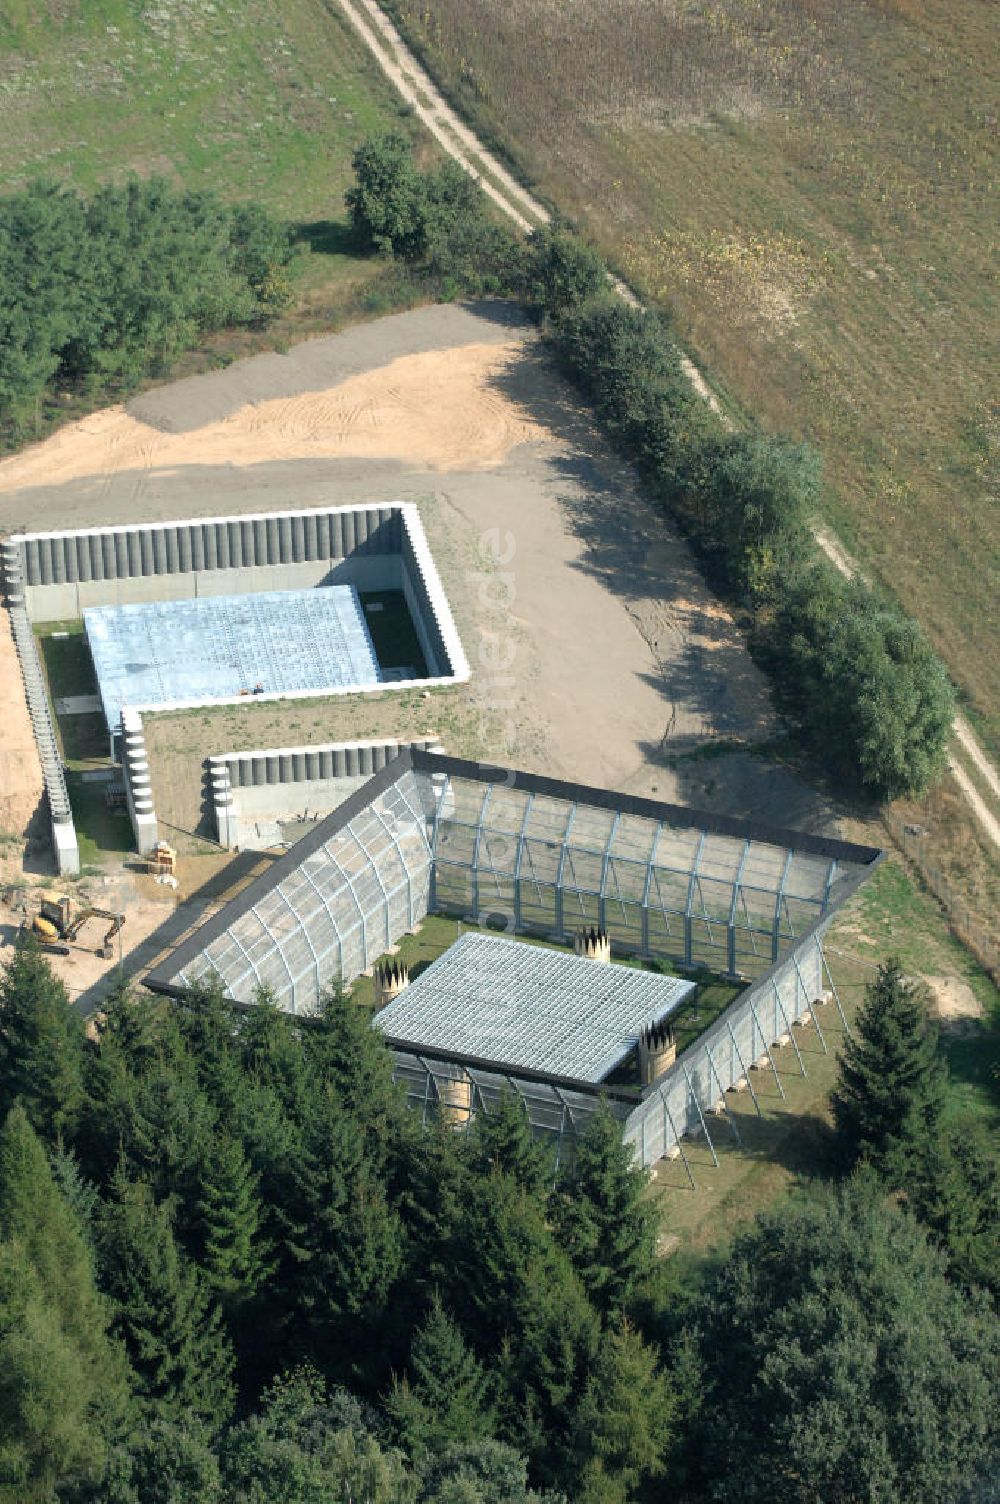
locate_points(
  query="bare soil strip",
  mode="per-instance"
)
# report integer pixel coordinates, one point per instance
(440, 409)
(21, 782)
(977, 804)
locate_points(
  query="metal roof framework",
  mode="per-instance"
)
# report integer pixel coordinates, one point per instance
(530, 1008)
(733, 901)
(524, 853)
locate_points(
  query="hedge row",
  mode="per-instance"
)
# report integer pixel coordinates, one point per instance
(851, 670)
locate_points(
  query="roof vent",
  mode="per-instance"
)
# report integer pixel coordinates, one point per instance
(593, 944)
(390, 979)
(657, 1052)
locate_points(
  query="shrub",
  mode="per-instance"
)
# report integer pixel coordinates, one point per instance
(863, 683)
(563, 272)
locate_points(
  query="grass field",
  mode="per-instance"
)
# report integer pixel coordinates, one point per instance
(808, 188)
(251, 99)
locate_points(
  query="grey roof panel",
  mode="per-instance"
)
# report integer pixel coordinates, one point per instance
(524, 1006)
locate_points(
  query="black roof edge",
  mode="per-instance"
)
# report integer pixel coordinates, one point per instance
(518, 1073)
(633, 804)
(158, 980)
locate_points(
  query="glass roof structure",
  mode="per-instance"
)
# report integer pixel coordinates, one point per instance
(527, 1007)
(437, 834)
(501, 849)
(351, 890)
(159, 653)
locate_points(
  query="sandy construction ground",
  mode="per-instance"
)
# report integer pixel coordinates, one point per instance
(21, 783)
(598, 653)
(439, 409)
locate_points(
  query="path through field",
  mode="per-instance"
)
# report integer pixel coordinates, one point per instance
(459, 141)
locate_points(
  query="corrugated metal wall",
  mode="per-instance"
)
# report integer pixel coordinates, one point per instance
(218, 543)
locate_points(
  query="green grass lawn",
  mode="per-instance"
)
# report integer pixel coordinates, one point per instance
(251, 99)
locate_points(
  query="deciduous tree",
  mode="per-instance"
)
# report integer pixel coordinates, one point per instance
(841, 1363)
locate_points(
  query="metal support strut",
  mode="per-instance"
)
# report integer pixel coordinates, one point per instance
(701, 1116)
(680, 1146)
(767, 1051)
(743, 1068)
(722, 1097)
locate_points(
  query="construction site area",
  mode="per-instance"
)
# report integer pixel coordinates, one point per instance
(445, 434)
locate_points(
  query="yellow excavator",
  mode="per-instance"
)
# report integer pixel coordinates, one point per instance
(60, 920)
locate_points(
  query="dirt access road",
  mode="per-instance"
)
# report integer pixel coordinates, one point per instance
(452, 133)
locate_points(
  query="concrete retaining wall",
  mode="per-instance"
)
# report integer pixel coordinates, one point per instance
(291, 782)
(66, 572)
(56, 576)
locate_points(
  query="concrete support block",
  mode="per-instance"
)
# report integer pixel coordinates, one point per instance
(66, 848)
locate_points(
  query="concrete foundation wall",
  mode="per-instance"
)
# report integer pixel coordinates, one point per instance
(56, 576)
(64, 573)
(68, 602)
(759, 1021)
(288, 783)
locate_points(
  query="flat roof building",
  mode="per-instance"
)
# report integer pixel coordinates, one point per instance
(530, 1008)
(157, 654)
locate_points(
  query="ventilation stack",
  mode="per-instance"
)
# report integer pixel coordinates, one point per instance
(454, 1099)
(657, 1052)
(593, 944)
(390, 979)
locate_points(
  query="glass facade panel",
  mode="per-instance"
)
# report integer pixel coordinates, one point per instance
(500, 850)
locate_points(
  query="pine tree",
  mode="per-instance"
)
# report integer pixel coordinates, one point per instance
(62, 1381)
(602, 1220)
(443, 1399)
(524, 1311)
(340, 1246)
(889, 1095)
(954, 1190)
(233, 1255)
(164, 1312)
(350, 1059)
(41, 1044)
(208, 1024)
(501, 1140)
(623, 1424)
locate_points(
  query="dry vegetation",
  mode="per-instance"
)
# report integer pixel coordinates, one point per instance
(807, 187)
